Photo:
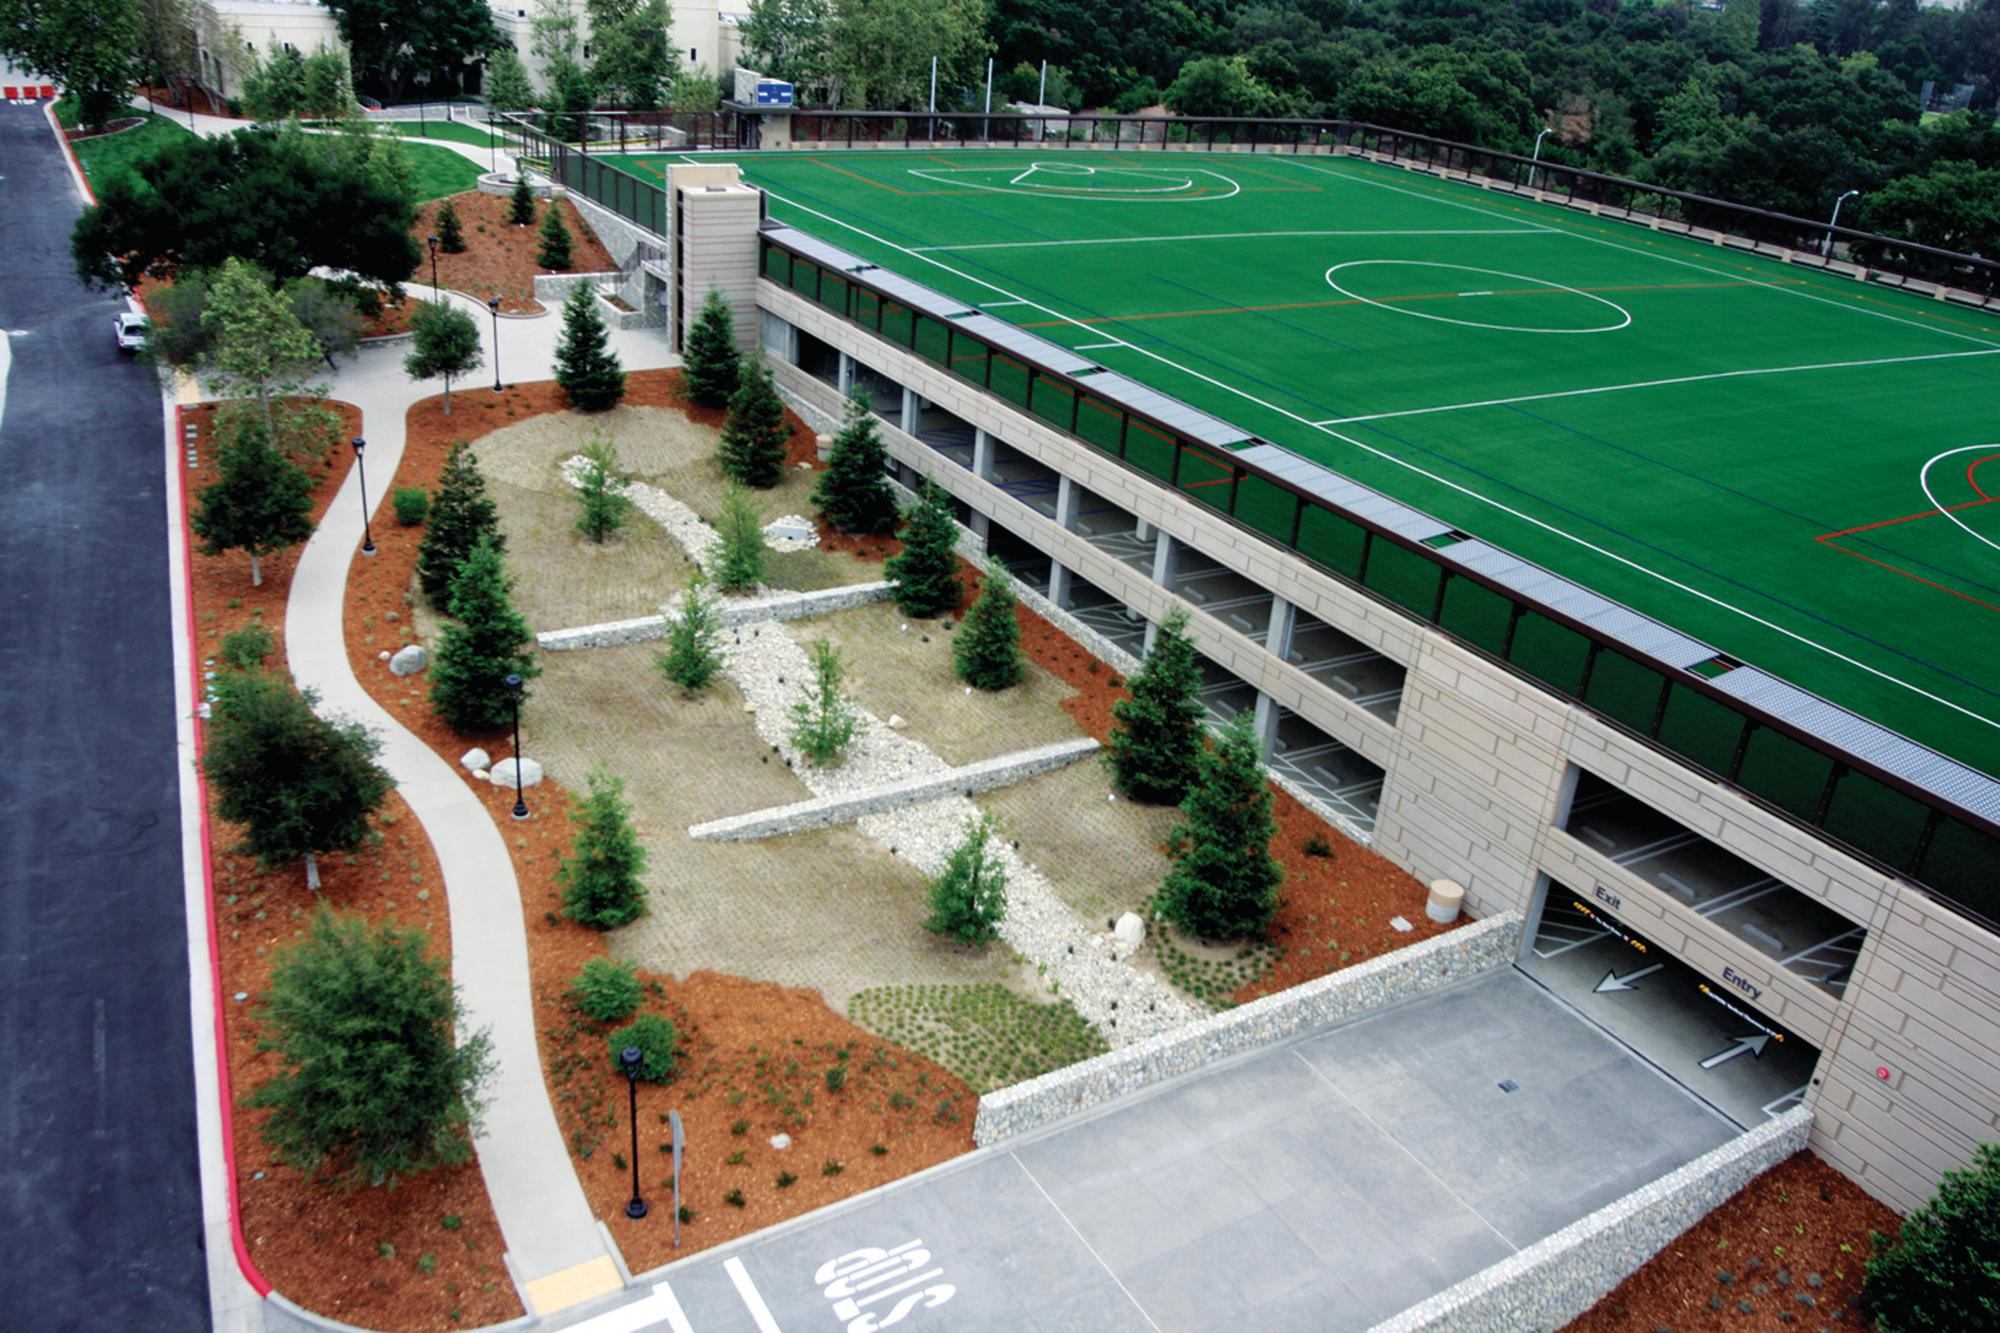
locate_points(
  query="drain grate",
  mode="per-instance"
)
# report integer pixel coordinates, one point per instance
(1508, 1085)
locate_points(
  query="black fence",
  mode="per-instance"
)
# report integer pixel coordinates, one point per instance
(1872, 813)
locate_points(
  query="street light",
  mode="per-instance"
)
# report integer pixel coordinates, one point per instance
(361, 470)
(1536, 160)
(513, 684)
(1826, 246)
(432, 241)
(493, 304)
(630, 1057)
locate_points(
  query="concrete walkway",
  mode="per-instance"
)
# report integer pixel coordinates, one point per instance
(210, 127)
(554, 1247)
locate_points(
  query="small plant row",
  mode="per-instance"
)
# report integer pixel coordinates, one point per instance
(983, 1032)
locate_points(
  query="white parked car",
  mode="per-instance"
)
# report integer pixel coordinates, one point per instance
(131, 331)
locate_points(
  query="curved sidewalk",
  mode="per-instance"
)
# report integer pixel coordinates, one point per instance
(555, 1249)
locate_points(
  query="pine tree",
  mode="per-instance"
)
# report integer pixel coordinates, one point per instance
(600, 491)
(489, 642)
(969, 896)
(925, 574)
(380, 1072)
(823, 721)
(853, 493)
(554, 252)
(261, 503)
(298, 783)
(461, 517)
(450, 231)
(1224, 882)
(521, 203)
(586, 367)
(1938, 1273)
(445, 341)
(1156, 734)
(986, 651)
(739, 564)
(600, 876)
(694, 639)
(755, 438)
(710, 363)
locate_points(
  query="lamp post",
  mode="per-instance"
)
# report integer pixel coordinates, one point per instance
(513, 684)
(1826, 246)
(1536, 160)
(361, 470)
(493, 304)
(630, 1057)
(432, 241)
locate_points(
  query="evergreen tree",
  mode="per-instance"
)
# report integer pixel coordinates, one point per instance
(461, 517)
(450, 231)
(329, 85)
(986, 651)
(1156, 733)
(823, 720)
(489, 642)
(600, 876)
(586, 367)
(554, 252)
(380, 1077)
(445, 342)
(1224, 882)
(926, 571)
(261, 503)
(755, 438)
(521, 203)
(969, 896)
(1940, 1272)
(694, 639)
(739, 564)
(600, 491)
(507, 85)
(300, 784)
(274, 87)
(853, 493)
(710, 363)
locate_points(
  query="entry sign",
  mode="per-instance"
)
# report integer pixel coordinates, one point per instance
(680, 1142)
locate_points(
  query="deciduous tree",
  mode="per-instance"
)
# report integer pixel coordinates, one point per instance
(507, 85)
(274, 88)
(261, 503)
(632, 62)
(446, 343)
(393, 42)
(90, 47)
(258, 349)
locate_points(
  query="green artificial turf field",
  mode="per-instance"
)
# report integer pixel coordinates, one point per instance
(1793, 467)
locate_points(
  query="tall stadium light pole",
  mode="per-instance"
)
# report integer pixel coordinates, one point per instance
(1041, 100)
(933, 107)
(1826, 246)
(986, 126)
(1536, 161)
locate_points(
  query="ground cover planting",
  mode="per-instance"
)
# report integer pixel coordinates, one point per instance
(499, 259)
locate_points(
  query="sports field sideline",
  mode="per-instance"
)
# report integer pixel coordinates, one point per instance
(1791, 466)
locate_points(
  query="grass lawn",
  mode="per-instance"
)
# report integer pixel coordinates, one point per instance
(438, 172)
(456, 131)
(105, 156)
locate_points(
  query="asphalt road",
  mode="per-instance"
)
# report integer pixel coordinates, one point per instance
(100, 1216)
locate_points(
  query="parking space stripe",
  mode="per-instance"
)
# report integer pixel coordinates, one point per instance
(760, 1313)
(1086, 1243)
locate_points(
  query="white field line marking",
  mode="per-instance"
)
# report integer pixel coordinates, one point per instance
(1645, 254)
(1650, 384)
(1924, 481)
(760, 1313)
(1086, 1243)
(1235, 236)
(1459, 487)
(995, 305)
(1095, 347)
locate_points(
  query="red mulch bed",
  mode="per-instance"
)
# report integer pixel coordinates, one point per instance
(1799, 1220)
(751, 1052)
(170, 100)
(323, 1247)
(499, 259)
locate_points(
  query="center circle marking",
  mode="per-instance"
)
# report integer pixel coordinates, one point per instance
(1624, 316)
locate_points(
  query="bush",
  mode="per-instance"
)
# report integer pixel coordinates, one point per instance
(658, 1045)
(247, 648)
(606, 991)
(412, 505)
(1940, 1272)
(969, 896)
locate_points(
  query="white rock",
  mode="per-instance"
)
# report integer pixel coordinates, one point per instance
(382, 656)
(897, 722)
(1401, 924)
(475, 758)
(482, 774)
(781, 1141)
(502, 773)
(1130, 930)
(408, 661)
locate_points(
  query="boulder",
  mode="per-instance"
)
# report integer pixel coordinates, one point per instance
(1130, 932)
(502, 773)
(897, 722)
(790, 528)
(781, 1141)
(408, 661)
(475, 758)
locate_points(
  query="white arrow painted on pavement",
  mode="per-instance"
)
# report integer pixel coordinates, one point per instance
(1754, 1045)
(1612, 981)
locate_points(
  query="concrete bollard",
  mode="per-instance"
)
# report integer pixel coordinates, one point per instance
(1446, 900)
(823, 445)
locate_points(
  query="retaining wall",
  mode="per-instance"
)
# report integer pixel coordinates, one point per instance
(554, 288)
(1555, 1280)
(1445, 958)
(1000, 771)
(733, 611)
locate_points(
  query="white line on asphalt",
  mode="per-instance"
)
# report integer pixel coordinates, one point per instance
(6, 360)
(760, 1313)
(1086, 1244)
(677, 1318)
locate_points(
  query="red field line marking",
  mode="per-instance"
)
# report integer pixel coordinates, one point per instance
(1922, 513)
(1897, 569)
(1974, 467)
(1827, 539)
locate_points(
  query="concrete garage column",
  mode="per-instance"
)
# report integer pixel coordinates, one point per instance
(912, 405)
(1284, 618)
(846, 374)
(1059, 584)
(982, 454)
(1264, 723)
(1143, 530)
(1166, 562)
(1067, 503)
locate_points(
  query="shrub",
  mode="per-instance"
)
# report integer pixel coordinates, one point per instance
(1317, 845)
(824, 722)
(658, 1045)
(247, 648)
(412, 505)
(694, 639)
(969, 896)
(606, 991)
(836, 1078)
(786, 1180)
(734, 1198)
(986, 652)
(1940, 1273)
(450, 231)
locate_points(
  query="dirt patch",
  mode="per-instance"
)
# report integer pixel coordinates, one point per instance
(1101, 866)
(499, 257)
(1799, 1230)
(362, 1255)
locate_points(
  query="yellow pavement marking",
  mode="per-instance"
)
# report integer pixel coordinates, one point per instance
(573, 1285)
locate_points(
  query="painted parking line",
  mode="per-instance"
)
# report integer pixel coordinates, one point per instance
(1084, 1241)
(760, 1313)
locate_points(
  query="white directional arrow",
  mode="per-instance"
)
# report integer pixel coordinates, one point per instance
(1612, 981)
(1754, 1045)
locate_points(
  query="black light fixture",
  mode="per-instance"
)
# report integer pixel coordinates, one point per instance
(630, 1058)
(361, 471)
(513, 684)
(432, 241)
(493, 304)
